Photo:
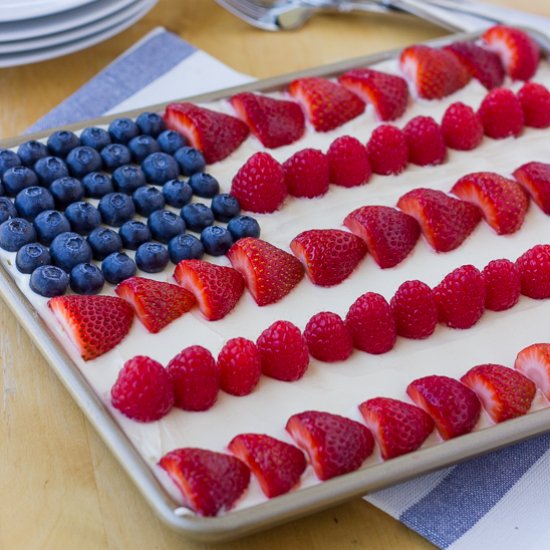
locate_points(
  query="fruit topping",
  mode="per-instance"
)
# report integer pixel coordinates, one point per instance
(501, 114)
(240, 366)
(307, 173)
(462, 128)
(534, 362)
(502, 284)
(425, 141)
(387, 150)
(534, 177)
(534, 270)
(535, 102)
(348, 162)
(328, 338)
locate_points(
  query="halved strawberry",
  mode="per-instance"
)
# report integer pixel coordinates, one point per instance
(209, 482)
(156, 303)
(275, 122)
(327, 105)
(216, 288)
(389, 233)
(94, 324)
(277, 465)
(444, 220)
(534, 177)
(215, 134)
(335, 445)
(504, 393)
(534, 362)
(398, 427)
(269, 272)
(503, 202)
(329, 256)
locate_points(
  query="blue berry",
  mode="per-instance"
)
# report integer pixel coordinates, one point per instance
(118, 267)
(31, 201)
(116, 208)
(185, 247)
(160, 167)
(31, 151)
(86, 279)
(122, 130)
(8, 159)
(152, 257)
(190, 160)
(16, 232)
(128, 178)
(104, 242)
(96, 138)
(164, 225)
(243, 226)
(147, 200)
(216, 240)
(134, 234)
(49, 281)
(225, 207)
(83, 160)
(61, 142)
(18, 178)
(142, 146)
(150, 123)
(49, 169)
(30, 256)
(97, 185)
(204, 185)
(197, 216)
(177, 193)
(70, 249)
(7, 209)
(170, 141)
(49, 224)
(66, 190)
(115, 155)
(83, 216)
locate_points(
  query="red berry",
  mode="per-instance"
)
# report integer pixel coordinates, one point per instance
(502, 283)
(534, 177)
(240, 366)
(501, 114)
(535, 102)
(534, 362)
(348, 162)
(387, 150)
(461, 127)
(534, 270)
(425, 141)
(307, 173)
(328, 338)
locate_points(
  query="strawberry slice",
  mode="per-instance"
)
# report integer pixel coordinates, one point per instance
(398, 427)
(215, 134)
(534, 362)
(534, 177)
(445, 221)
(387, 93)
(277, 465)
(503, 202)
(209, 482)
(335, 445)
(327, 105)
(329, 256)
(156, 303)
(94, 324)
(504, 393)
(269, 272)
(389, 233)
(275, 122)
(216, 288)
(453, 406)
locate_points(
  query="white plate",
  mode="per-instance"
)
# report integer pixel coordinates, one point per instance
(17, 10)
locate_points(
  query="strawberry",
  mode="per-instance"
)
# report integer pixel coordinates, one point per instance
(327, 105)
(307, 173)
(389, 233)
(269, 272)
(501, 114)
(328, 338)
(398, 427)
(534, 362)
(415, 310)
(94, 324)
(518, 52)
(502, 284)
(216, 288)
(460, 297)
(504, 393)
(240, 366)
(259, 185)
(534, 270)
(425, 141)
(275, 122)
(502, 201)
(215, 134)
(445, 221)
(535, 102)
(348, 162)
(283, 351)
(435, 73)
(277, 465)
(209, 482)
(371, 323)
(534, 177)
(453, 406)
(156, 303)
(195, 377)
(461, 127)
(329, 256)
(387, 150)
(335, 445)
(387, 93)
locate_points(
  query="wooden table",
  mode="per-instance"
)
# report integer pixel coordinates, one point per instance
(60, 485)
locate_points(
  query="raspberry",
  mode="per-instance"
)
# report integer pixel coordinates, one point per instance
(535, 102)
(534, 270)
(348, 162)
(240, 366)
(387, 150)
(425, 141)
(143, 390)
(328, 339)
(503, 285)
(307, 173)
(501, 114)
(461, 127)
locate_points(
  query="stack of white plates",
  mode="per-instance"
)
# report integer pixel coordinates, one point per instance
(35, 30)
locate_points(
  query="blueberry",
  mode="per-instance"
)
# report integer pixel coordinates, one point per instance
(170, 141)
(18, 178)
(190, 160)
(134, 234)
(96, 138)
(16, 232)
(30, 256)
(66, 190)
(97, 184)
(115, 155)
(160, 167)
(142, 146)
(70, 249)
(147, 200)
(225, 207)
(31, 151)
(164, 225)
(104, 242)
(152, 257)
(122, 130)
(118, 267)
(31, 201)
(8, 159)
(197, 216)
(86, 279)
(7, 209)
(50, 168)
(243, 226)
(83, 216)
(116, 208)
(49, 281)
(216, 240)
(204, 185)
(185, 247)
(150, 123)
(83, 160)
(177, 193)
(61, 142)
(49, 224)
(128, 178)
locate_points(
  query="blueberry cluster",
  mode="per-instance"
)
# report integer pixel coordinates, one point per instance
(69, 205)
